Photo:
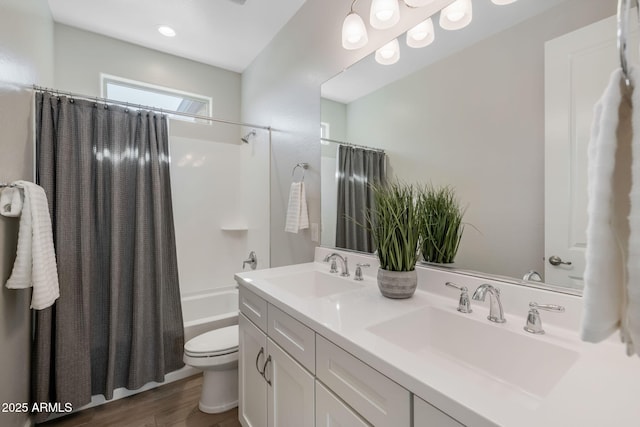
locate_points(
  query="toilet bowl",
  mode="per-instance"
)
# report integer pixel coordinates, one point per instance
(216, 353)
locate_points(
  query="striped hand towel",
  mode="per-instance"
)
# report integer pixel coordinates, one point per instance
(297, 214)
(35, 264)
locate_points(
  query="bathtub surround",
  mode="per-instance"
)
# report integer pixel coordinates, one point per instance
(118, 322)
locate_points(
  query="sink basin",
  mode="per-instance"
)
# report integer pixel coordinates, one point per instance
(513, 359)
(310, 284)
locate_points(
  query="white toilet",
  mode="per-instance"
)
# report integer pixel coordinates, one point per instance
(216, 353)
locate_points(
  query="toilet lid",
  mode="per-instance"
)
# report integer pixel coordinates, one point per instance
(213, 343)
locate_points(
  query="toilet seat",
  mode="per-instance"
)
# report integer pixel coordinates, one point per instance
(213, 343)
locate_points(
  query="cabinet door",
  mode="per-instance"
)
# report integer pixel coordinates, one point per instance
(252, 403)
(332, 412)
(426, 415)
(291, 393)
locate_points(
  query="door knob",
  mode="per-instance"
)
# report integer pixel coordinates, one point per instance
(556, 260)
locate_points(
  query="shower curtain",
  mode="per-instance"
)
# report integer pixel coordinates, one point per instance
(118, 321)
(357, 169)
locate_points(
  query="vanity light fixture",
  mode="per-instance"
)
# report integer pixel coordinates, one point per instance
(457, 15)
(384, 14)
(354, 33)
(389, 53)
(502, 2)
(421, 35)
(166, 31)
(419, 3)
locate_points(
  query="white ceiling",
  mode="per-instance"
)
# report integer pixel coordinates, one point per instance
(367, 75)
(222, 33)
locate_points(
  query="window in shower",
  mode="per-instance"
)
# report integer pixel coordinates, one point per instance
(167, 99)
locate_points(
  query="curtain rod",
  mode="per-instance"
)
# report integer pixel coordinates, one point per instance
(380, 150)
(145, 107)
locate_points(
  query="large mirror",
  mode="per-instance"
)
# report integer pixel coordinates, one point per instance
(469, 111)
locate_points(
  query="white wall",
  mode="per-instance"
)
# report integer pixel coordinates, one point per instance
(26, 57)
(282, 88)
(335, 115)
(475, 120)
(216, 179)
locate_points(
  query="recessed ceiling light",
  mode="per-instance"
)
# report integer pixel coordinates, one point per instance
(166, 31)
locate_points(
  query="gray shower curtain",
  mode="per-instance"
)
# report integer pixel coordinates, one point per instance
(357, 169)
(118, 321)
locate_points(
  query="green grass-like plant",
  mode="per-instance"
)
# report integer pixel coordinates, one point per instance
(441, 224)
(395, 225)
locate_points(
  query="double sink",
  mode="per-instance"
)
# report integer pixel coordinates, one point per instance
(502, 355)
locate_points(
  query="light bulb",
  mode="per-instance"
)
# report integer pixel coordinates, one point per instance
(166, 31)
(418, 3)
(354, 33)
(457, 15)
(389, 53)
(502, 2)
(384, 14)
(421, 35)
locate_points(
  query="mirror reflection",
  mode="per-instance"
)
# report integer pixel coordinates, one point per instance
(472, 114)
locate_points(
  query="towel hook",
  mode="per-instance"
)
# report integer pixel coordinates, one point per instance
(623, 30)
(304, 166)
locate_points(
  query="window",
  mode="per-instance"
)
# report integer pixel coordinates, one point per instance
(324, 132)
(119, 89)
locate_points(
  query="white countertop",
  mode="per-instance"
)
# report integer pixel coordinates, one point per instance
(601, 388)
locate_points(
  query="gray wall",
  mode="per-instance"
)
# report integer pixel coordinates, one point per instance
(81, 56)
(475, 120)
(282, 88)
(26, 57)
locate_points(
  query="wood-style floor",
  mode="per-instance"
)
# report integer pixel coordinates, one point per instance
(172, 405)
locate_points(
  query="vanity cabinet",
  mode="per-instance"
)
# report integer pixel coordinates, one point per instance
(276, 356)
(252, 399)
(290, 395)
(274, 389)
(292, 376)
(426, 415)
(332, 412)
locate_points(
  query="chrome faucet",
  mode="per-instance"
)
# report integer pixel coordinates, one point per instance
(496, 314)
(343, 263)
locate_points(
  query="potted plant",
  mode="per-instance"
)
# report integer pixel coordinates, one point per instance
(441, 224)
(394, 225)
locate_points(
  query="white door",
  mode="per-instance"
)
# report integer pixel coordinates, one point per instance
(291, 396)
(577, 69)
(332, 412)
(252, 405)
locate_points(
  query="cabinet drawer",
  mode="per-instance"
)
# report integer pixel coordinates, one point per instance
(426, 415)
(254, 307)
(294, 337)
(332, 412)
(379, 400)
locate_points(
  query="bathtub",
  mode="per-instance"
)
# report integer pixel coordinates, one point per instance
(206, 311)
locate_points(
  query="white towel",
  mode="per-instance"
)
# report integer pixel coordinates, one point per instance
(10, 201)
(604, 275)
(35, 264)
(297, 214)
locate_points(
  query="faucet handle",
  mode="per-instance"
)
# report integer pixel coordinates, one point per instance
(534, 322)
(358, 275)
(464, 305)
